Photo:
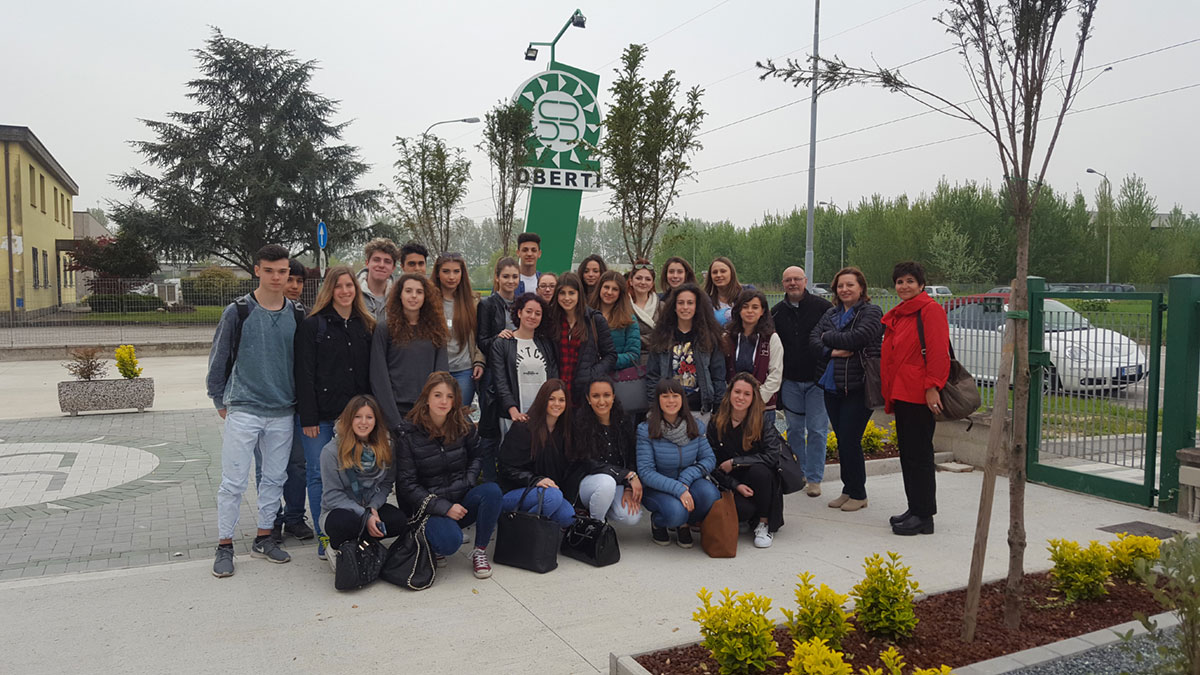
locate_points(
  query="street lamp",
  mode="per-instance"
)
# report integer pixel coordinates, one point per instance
(1108, 237)
(842, 222)
(577, 19)
(467, 120)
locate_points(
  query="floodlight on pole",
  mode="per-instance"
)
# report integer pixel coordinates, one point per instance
(577, 20)
(1108, 236)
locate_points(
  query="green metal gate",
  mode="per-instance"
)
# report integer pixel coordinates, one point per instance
(1094, 422)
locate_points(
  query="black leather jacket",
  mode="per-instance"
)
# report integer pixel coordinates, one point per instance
(427, 466)
(502, 364)
(517, 470)
(597, 356)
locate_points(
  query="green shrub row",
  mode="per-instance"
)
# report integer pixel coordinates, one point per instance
(129, 302)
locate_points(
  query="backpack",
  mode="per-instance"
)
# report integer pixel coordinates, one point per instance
(242, 305)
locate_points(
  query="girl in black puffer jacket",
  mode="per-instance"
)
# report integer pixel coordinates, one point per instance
(848, 333)
(437, 466)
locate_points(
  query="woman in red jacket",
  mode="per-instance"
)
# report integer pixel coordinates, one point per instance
(912, 375)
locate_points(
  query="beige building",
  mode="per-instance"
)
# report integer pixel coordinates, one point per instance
(39, 229)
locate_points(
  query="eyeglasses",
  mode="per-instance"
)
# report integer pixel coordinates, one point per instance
(644, 266)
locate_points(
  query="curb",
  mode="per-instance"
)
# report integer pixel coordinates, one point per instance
(627, 665)
(56, 352)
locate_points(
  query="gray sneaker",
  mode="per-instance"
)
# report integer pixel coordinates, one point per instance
(223, 564)
(267, 548)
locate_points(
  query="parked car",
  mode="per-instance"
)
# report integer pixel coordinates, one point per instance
(938, 291)
(1001, 289)
(822, 290)
(1083, 358)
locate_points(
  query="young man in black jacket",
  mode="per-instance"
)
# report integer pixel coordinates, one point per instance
(803, 402)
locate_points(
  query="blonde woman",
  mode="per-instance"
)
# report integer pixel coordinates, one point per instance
(332, 366)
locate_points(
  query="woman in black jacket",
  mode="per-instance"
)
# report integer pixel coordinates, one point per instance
(520, 364)
(332, 365)
(747, 446)
(605, 444)
(533, 458)
(437, 468)
(494, 320)
(584, 344)
(848, 333)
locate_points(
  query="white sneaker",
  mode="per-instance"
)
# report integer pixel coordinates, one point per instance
(762, 538)
(331, 557)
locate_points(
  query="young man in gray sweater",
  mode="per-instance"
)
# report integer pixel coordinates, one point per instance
(250, 380)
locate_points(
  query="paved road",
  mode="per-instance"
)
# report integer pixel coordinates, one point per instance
(90, 334)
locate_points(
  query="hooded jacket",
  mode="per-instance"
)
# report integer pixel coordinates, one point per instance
(904, 373)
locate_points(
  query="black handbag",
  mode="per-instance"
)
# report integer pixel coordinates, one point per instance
(528, 540)
(591, 541)
(791, 469)
(359, 562)
(410, 562)
(960, 396)
(872, 382)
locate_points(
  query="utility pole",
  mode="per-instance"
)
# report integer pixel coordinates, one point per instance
(812, 146)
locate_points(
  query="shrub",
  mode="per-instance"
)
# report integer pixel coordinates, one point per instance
(819, 613)
(214, 286)
(1175, 584)
(1091, 305)
(875, 439)
(129, 302)
(86, 364)
(893, 664)
(127, 363)
(883, 601)
(1126, 550)
(1079, 573)
(737, 631)
(813, 657)
(872, 439)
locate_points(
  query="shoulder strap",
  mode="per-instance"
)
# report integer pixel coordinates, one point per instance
(242, 305)
(322, 325)
(921, 335)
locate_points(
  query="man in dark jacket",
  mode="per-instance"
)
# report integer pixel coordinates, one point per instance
(802, 400)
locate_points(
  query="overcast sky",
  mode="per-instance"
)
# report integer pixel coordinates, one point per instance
(82, 74)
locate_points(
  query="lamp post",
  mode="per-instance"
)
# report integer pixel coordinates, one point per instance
(466, 120)
(842, 223)
(1108, 236)
(577, 19)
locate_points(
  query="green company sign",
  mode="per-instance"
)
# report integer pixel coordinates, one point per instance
(566, 129)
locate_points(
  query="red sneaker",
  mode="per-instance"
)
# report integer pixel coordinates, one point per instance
(479, 560)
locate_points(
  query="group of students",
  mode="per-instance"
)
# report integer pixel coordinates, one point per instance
(369, 392)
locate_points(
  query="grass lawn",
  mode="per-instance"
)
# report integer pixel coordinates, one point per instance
(201, 315)
(1130, 318)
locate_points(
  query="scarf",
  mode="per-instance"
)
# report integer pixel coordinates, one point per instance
(827, 381)
(649, 312)
(676, 433)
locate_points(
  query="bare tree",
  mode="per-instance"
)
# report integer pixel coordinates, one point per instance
(649, 140)
(1010, 54)
(506, 128)
(431, 179)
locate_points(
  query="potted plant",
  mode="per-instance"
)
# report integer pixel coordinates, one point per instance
(89, 391)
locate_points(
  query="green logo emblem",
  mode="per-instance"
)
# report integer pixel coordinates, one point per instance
(566, 120)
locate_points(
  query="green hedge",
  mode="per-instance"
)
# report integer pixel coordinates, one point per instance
(200, 291)
(130, 302)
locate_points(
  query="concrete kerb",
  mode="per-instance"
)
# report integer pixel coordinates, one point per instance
(626, 664)
(55, 352)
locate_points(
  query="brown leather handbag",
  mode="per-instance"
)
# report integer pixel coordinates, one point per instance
(719, 529)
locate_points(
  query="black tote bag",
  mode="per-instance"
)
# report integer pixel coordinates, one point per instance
(410, 562)
(359, 562)
(528, 540)
(591, 541)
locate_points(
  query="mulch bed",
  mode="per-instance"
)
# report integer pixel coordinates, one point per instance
(936, 641)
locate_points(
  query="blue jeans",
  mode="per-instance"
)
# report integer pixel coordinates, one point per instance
(850, 414)
(667, 511)
(803, 406)
(554, 505)
(245, 435)
(482, 503)
(312, 460)
(466, 383)
(292, 510)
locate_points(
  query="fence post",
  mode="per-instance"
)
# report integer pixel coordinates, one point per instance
(1036, 361)
(1181, 377)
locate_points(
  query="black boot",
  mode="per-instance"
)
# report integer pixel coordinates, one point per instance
(913, 525)
(896, 520)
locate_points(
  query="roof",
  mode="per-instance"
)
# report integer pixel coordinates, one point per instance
(25, 136)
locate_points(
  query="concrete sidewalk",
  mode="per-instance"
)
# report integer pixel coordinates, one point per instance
(179, 618)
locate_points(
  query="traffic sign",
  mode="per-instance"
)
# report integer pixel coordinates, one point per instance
(322, 235)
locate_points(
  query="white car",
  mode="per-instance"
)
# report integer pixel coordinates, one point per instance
(1083, 358)
(938, 291)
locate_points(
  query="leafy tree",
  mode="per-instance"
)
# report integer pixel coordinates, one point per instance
(431, 179)
(255, 163)
(505, 130)
(950, 254)
(1010, 54)
(648, 143)
(99, 215)
(118, 263)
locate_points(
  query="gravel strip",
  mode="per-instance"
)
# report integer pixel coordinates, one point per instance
(1113, 659)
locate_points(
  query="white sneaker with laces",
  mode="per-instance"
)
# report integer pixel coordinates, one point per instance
(762, 538)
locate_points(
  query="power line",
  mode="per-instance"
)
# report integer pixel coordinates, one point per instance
(723, 2)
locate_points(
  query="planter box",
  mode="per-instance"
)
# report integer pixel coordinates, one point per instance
(83, 395)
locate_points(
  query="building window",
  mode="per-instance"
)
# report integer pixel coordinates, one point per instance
(36, 279)
(57, 205)
(45, 268)
(42, 190)
(32, 186)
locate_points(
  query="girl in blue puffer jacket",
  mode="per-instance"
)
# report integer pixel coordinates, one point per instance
(673, 463)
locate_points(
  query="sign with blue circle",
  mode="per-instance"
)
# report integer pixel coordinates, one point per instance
(322, 235)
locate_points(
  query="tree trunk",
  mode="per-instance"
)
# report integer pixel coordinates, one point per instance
(1019, 302)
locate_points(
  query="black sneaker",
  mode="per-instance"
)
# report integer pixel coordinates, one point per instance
(267, 548)
(299, 530)
(223, 564)
(277, 532)
(660, 536)
(683, 537)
